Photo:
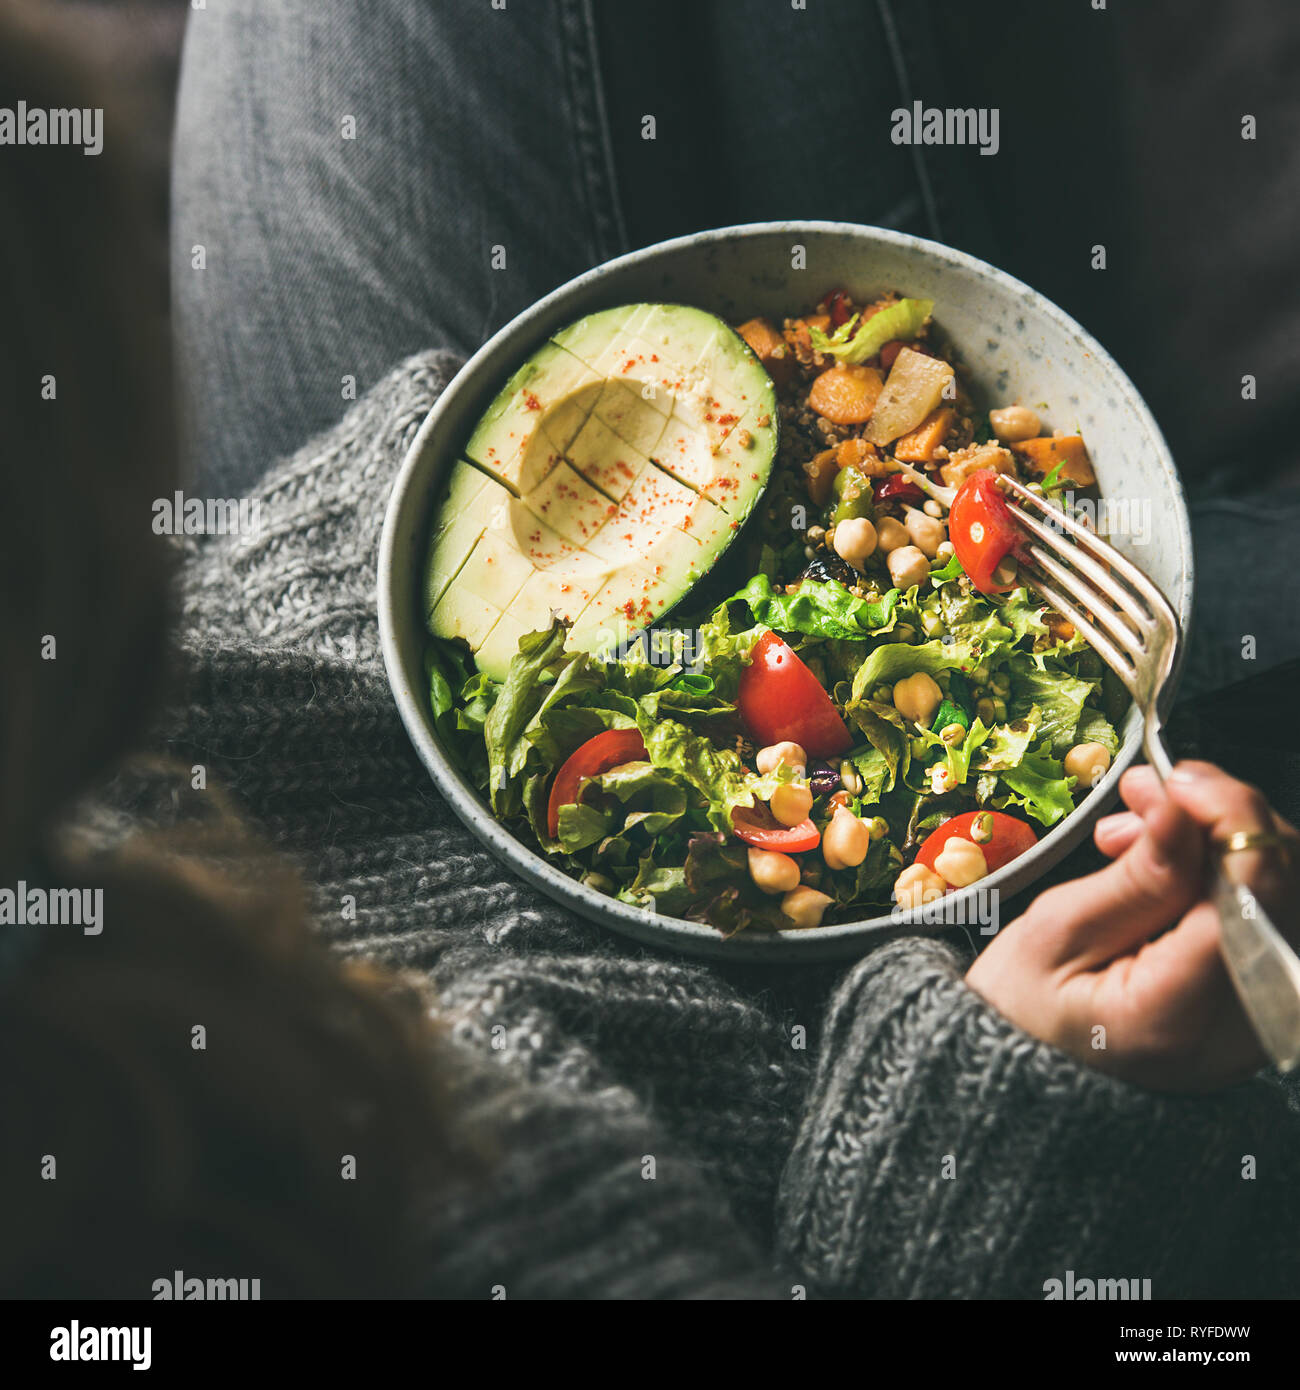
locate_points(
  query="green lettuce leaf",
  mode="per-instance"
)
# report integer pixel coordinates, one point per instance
(1007, 744)
(819, 609)
(581, 825)
(852, 344)
(1040, 786)
(894, 660)
(1094, 727)
(886, 731)
(1057, 695)
(521, 694)
(721, 890)
(719, 775)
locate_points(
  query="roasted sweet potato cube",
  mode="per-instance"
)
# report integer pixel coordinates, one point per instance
(1042, 455)
(767, 344)
(919, 445)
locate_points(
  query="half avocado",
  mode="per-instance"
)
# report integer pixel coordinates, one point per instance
(610, 474)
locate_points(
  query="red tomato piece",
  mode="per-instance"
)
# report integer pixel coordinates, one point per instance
(983, 531)
(897, 488)
(597, 755)
(1011, 838)
(781, 699)
(757, 826)
(837, 307)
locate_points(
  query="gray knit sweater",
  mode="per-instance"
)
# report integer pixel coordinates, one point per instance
(665, 1129)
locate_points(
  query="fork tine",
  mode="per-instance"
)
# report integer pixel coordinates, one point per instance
(1120, 662)
(1085, 564)
(1098, 549)
(1112, 621)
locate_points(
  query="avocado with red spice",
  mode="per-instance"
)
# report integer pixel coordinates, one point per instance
(610, 473)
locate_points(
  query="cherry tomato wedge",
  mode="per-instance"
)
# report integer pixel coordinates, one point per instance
(896, 488)
(597, 755)
(1011, 837)
(757, 826)
(983, 531)
(781, 699)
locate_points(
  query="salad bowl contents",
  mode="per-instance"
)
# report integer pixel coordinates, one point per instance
(699, 636)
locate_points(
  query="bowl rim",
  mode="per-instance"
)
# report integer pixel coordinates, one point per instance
(844, 939)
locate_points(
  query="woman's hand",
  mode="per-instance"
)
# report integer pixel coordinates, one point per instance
(1122, 969)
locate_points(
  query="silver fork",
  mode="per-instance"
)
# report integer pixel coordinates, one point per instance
(1130, 625)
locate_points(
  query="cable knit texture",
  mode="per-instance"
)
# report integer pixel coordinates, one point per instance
(873, 1132)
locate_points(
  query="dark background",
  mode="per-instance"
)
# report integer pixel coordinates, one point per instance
(1120, 127)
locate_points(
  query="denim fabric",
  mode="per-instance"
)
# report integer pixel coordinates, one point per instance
(328, 257)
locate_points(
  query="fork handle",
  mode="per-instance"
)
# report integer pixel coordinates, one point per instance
(1264, 969)
(1153, 746)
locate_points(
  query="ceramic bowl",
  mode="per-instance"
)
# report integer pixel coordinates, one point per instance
(1016, 345)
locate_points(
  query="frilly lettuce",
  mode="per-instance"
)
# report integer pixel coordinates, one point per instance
(853, 342)
(819, 609)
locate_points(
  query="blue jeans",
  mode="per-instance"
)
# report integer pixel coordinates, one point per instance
(353, 184)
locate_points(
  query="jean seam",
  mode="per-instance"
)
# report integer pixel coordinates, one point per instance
(591, 128)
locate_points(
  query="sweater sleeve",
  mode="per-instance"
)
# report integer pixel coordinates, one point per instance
(576, 1195)
(946, 1154)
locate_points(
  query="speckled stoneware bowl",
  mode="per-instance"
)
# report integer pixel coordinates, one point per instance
(1016, 345)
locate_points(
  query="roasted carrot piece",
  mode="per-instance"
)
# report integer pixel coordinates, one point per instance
(1042, 455)
(846, 395)
(769, 347)
(820, 471)
(919, 445)
(857, 453)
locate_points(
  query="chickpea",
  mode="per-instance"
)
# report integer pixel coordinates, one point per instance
(855, 541)
(1014, 423)
(891, 535)
(845, 840)
(805, 907)
(771, 757)
(772, 872)
(791, 802)
(961, 862)
(927, 533)
(908, 566)
(916, 886)
(917, 697)
(1088, 762)
(945, 551)
(932, 508)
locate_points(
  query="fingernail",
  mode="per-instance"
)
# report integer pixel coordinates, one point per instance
(1184, 776)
